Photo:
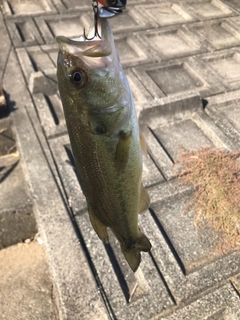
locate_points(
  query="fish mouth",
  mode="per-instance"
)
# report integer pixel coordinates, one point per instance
(96, 47)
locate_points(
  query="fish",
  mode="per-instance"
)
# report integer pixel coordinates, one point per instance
(105, 139)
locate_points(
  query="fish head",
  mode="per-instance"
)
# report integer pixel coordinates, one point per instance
(89, 71)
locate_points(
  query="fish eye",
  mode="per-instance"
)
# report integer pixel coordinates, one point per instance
(79, 78)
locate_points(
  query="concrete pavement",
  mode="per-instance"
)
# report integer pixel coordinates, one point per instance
(182, 62)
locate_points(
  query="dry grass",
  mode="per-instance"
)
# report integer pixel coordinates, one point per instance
(215, 175)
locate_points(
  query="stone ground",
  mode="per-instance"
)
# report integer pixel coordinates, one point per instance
(26, 288)
(182, 62)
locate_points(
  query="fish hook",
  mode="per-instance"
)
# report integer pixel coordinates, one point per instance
(96, 33)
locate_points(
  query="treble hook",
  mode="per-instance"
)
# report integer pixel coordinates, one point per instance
(96, 33)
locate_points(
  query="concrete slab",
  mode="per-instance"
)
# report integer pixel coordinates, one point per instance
(207, 9)
(179, 76)
(219, 34)
(55, 25)
(221, 304)
(16, 213)
(167, 13)
(13, 8)
(233, 4)
(24, 32)
(71, 5)
(224, 110)
(184, 280)
(236, 283)
(226, 66)
(26, 288)
(172, 42)
(172, 52)
(5, 46)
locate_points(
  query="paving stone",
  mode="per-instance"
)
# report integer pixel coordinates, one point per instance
(24, 32)
(235, 21)
(210, 9)
(74, 284)
(170, 43)
(12, 8)
(221, 304)
(219, 34)
(38, 58)
(193, 248)
(179, 135)
(43, 82)
(160, 114)
(167, 13)
(5, 46)
(16, 213)
(63, 156)
(170, 125)
(185, 272)
(157, 153)
(236, 283)
(55, 25)
(224, 110)
(26, 288)
(38, 64)
(178, 76)
(72, 5)
(131, 20)
(131, 2)
(131, 51)
(226, 65)
(182, 275)
(233, 4)
(140, 95)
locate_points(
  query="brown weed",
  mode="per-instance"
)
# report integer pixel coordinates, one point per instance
(215, 175)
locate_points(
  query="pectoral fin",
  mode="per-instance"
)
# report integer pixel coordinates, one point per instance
(122, 150)
(144, 202)
(98, 226)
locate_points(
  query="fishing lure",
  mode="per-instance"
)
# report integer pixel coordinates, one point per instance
(110, 9)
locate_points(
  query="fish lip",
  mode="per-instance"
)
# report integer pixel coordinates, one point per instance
(97, 47)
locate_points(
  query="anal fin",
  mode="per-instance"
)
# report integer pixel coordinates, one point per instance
(143, 243)
(98, 226)
(144, 201)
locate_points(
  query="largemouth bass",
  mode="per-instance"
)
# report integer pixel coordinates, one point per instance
(104, 134)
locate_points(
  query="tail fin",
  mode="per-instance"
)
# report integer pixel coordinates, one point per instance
(133, 255)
